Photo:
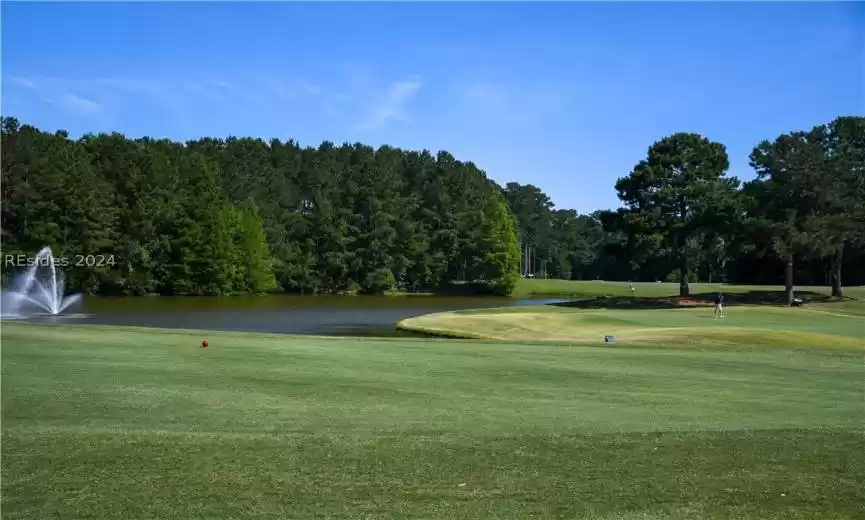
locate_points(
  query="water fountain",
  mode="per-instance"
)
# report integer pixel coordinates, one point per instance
(39, 289)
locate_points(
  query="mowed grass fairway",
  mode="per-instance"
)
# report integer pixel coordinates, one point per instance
(829, 325)
(591, 288)
(103, 422)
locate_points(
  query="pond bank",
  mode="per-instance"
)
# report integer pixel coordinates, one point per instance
(315, 315)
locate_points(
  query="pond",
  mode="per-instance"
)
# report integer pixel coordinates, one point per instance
(319, 315)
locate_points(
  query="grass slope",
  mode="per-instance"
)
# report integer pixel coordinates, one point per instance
(102, 422)
(825, 326)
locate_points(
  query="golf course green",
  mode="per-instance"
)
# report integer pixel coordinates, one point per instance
(820, 326)
(669, 422)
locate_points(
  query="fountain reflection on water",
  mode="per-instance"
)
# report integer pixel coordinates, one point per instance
(39, 290)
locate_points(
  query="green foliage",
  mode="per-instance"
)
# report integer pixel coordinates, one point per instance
(676, 277)
(785, 195)
(807, 198)
(678, 193)
(379, 281)
(498, 242)
(251, 243)
(553, 242)
(244, 215)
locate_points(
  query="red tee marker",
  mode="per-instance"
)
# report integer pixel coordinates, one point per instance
(204, 344)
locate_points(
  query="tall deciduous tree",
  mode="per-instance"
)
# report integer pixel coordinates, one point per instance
(677, 193)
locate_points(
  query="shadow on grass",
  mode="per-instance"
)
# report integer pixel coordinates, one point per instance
(620, 302)
(695, 300)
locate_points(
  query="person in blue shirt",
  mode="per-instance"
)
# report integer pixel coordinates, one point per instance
(719, 305)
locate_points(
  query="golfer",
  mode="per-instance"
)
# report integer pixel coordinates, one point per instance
(719, 305)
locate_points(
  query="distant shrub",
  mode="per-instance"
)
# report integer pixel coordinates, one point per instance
(379, 281)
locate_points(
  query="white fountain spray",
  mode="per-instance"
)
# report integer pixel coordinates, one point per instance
(30, 290)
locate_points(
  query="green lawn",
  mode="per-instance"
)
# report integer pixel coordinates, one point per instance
(593, 288)
(128, 423)
(825, 325)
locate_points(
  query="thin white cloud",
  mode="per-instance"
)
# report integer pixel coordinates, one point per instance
(508, 103)
(256, 93)
(390, 105)
(356, 103)
(75, 103)
(201, 91)
(290, 90)
(309, 88)
(131, 86)
(280, 90)
(23, 82)
(60, 94)
(488, 97)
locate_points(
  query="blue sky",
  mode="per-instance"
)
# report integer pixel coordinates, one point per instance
(566, 96)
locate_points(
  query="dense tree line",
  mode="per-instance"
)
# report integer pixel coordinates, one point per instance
(237, 215)
(242, 215)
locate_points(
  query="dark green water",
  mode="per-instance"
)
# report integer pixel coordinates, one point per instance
(324, 315)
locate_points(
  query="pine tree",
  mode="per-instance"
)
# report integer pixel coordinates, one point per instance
(251, 242)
